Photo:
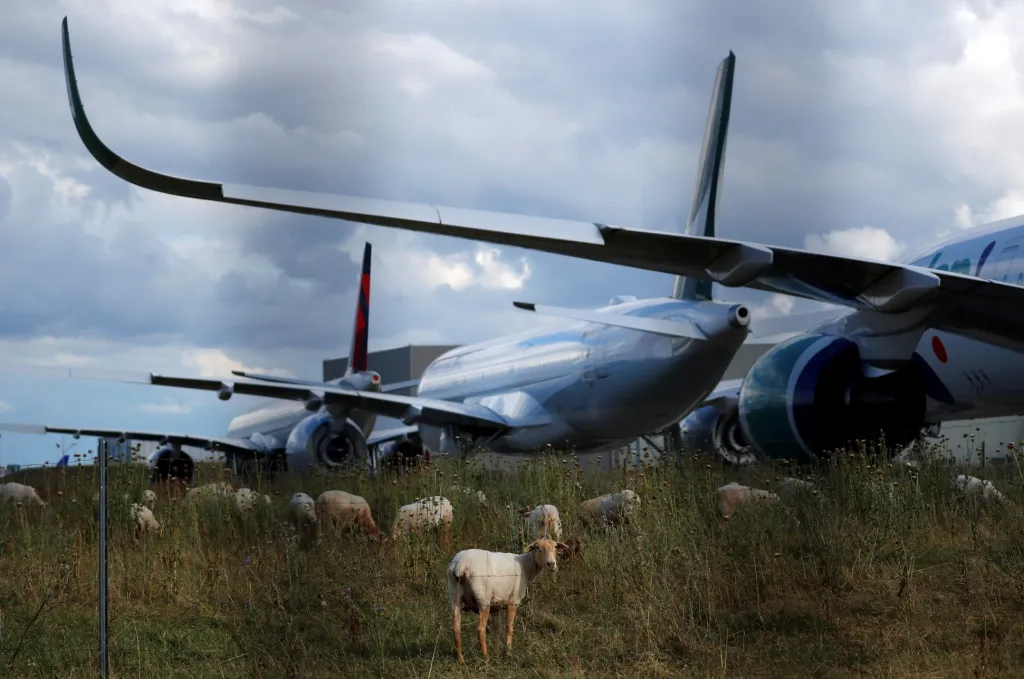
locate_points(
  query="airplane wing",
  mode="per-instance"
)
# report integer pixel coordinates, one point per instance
(973, 306)
(658, 326)
(386, 435)
(394, 386)
(724, 395)
(207, 442)
(409, 409)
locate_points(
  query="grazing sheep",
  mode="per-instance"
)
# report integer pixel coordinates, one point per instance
(543, 521)
(480, 581)
(975, 489)
(732, 496)
(345, 509)
(469, 492)
(245, 499)
(208, 492)
(144, 520)
(791, 485)
(19, 493)
(611, 508)
(435, 512)
(302, 512)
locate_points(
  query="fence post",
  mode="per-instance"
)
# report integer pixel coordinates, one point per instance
(101, 458)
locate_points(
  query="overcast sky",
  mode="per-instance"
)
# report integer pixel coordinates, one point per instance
(866, 128)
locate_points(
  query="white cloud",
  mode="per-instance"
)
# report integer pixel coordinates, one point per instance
(170, 408)
(5, 406)
(863, 241)
(217, 363)
(777, 305)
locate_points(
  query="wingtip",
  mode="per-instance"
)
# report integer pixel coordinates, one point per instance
(525, 306)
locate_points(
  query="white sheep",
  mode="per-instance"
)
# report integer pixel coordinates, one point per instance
(302, 512)
(732, 496)
(245, 499)
(611, 508)
(543, 521)
(792, 486)
(346, 509)
(469, 492)
(19, 493)
(480, 581)
(976, 489)
(144, 520)
(434, 512)
(209, 492)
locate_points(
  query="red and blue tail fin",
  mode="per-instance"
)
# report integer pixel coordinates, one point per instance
(357, 355)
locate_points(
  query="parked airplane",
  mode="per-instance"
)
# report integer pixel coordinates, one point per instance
(281, 434)
(934, 338)
(589, 379)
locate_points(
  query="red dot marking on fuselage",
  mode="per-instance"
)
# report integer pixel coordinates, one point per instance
(939, 349)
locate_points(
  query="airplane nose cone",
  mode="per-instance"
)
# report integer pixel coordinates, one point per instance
(739, 316)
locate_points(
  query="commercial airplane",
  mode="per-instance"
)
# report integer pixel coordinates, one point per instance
(287, 434)
(934, 338)
(590, 379)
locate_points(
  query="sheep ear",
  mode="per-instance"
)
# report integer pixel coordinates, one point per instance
(561, 545)
(532, 546)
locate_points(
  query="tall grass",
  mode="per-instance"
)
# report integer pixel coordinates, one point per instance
(881, 572)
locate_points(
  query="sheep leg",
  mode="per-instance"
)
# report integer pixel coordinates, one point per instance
(510, 619)
(481, 630)
(457, 629)
(446, 534)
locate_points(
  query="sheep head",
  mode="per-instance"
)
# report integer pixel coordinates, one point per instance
(545, 553)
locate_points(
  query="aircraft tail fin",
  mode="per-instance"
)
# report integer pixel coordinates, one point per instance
(357, 355)
(63, 461)
(710, 167)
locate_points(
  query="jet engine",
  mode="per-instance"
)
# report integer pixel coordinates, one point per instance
(809, 396)
(709, 430)
(169, 462)
(323, 441)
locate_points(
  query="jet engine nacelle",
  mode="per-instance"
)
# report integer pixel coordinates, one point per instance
(808, 396)
(169, 462)
(708, 430)
(320, 441)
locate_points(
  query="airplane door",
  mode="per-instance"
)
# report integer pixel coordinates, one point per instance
(1006, 270)
(594, 367)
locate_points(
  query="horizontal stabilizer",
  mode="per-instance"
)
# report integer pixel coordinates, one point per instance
(275, 379)
(205, 442)
(398, 386)
(658, 326)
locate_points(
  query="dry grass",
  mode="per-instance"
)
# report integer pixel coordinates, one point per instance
(852, 581)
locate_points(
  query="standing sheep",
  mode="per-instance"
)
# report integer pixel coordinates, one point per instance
(611, 508)
(345, 509)
(479, 581)
(543, 521)
(434, 512)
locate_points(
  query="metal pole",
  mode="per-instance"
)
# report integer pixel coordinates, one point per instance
(101, 454)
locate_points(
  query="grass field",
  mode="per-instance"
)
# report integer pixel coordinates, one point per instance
(852, 581)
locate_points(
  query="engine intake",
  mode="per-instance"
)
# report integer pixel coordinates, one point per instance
(707, 430)
(319, 441)
(807, 397)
